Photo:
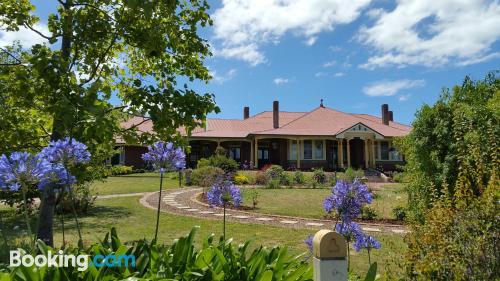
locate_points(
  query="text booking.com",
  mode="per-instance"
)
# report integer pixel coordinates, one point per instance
(81, 262)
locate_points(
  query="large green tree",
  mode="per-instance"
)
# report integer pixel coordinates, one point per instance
(454, 143)
(137, 50)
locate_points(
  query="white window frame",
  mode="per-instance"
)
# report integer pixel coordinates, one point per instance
(301, 152)
(121, 159)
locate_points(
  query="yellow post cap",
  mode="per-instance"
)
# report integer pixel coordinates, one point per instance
(329, 244)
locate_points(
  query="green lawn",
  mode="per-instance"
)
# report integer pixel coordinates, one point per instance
(134, 183)
(134, 221)
(309, 202)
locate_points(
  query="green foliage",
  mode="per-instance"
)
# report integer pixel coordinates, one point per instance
(273, 184)
(179, 261)
(275, 172)
(118, 170)
(299, 178)
(368, 213)
(220, 161)
(206, 176)
(240, 179)
(458, 135)
(254, 196)
(457, 244)
(399, 213)
(400, 177)
(83, 200)
(350, 174)
(319, 176)
(261, 178)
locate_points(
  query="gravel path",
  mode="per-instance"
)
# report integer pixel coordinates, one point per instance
(183, 202)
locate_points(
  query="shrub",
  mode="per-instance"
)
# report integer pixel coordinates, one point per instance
(275, 172)
(286, 180)
(299, 178)
(368, 213)
(456, 244)
(273, 184)
(350, 174)
(399, 177)
(206, 176)
(261, 178)
(121, 170)
(240, 179)
(220, 161)
(319, 176)
(181, 260)
(83, 200)
(254, 196)
(399, 213)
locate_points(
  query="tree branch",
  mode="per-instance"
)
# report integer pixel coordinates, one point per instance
(9, 54)
(41, 34)
(100, 61)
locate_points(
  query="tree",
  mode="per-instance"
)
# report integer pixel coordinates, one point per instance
(453, 168)
(453, 143)
(136, 50)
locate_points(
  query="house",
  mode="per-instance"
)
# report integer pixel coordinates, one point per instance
(323, 137)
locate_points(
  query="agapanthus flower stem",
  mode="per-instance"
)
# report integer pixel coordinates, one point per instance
(369, 260)
(224, 224)
(26, 217)
(159, 205)
(80, 240)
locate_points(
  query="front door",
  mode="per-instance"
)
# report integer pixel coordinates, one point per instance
(357, 150)
(263, 156)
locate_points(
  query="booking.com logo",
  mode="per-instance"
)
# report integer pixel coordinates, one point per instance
(81, 262)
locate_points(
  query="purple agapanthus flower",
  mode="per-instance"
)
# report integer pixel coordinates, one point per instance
(347, 199)
(223, 193)
(165, 157)
(22, 169)
(366, 242)
(309, 242)
(57, 176)
(351, 231)
(68, 152)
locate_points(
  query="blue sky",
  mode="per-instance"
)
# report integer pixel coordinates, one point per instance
(356, 55)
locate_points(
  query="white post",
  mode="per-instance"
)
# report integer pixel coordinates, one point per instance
(329, 256)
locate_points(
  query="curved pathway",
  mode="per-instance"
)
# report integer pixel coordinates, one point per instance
(183, 202)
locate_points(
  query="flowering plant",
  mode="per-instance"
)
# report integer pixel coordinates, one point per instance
(22, 170)
(68, 152)
(347, 199)
(165, 157)
(222, 193)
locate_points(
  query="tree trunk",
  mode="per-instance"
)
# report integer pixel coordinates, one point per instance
(45, 230)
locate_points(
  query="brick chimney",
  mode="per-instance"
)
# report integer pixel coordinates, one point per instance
(246, 112)
(385, 114)
(276, 114)
(391, 116)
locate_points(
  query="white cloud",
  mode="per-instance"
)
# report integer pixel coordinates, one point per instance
(26, 37)
(335, 48)
(432, 33)
(339, 74)
(280, 81)
(404, 97)
(329, 63)
(220, 79)
(391, 88)
(320, 74)
(311, 41)
(242, 27)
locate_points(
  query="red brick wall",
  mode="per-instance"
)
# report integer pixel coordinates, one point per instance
(133, 156)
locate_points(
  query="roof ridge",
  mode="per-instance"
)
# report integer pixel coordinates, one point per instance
(300, 117)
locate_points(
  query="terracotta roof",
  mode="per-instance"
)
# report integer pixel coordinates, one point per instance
(322, 121)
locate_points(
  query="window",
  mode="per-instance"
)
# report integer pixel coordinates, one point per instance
(263, 154)
(293, 150)
(122, 157)
(234, 152)
(384, 150)
(318, 149)
(308, 150)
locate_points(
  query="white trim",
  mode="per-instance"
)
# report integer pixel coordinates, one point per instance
(361, 130)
